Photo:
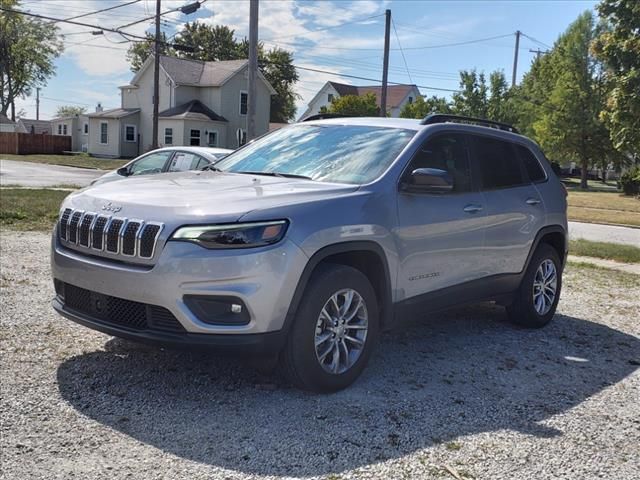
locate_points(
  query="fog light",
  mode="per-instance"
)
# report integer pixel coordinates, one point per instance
(217, 310)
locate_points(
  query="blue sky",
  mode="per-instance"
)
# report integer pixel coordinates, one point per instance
(341, 36)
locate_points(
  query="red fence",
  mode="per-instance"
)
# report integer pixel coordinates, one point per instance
(26, 143)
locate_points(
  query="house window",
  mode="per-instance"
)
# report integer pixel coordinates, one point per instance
(410, 99)
(104, 137)
(212, 141)
(330, 98)
(194, 138)
(59, 129)
(64, 128)
(168, 136)
(85, 129)
(243, 103)
(129, 133)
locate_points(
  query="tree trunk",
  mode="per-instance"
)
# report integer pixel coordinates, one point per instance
(583, 174)
(604, 174)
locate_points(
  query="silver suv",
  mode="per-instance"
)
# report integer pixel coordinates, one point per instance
(311, 240)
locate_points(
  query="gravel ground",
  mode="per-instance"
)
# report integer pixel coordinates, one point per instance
(458, 395)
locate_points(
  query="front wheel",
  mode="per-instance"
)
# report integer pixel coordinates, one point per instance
(334, 331)
(536, 300)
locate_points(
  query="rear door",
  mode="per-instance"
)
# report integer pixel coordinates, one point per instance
(514, 208)
(440, 236)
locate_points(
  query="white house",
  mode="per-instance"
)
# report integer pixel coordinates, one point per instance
(397, 96)
(77, 127)
(200, 103)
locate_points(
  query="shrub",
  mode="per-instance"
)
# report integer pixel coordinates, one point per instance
(630, 181)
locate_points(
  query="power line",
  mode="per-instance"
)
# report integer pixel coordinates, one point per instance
(317, 70)
(537, 41)
(64, 101)
(424, 47)
(98, 11)
(72, 22)
(401, 51)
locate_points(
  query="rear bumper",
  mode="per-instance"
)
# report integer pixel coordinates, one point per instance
(253, 344)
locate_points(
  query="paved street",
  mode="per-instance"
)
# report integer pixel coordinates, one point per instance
(29, 174)
(604, 233)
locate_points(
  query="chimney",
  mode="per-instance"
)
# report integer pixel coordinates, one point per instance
(99, 107)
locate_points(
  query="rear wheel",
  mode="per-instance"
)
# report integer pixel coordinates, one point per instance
(537, 298)
(334, 331)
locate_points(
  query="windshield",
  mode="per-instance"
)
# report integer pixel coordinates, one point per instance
(327, 153)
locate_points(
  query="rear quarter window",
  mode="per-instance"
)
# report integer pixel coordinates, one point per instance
(531, 164)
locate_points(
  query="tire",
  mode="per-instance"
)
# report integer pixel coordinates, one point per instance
(530, 308)
(313, 369)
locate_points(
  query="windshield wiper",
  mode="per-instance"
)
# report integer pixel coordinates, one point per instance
(277, 174)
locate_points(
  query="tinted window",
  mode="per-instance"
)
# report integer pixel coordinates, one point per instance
(498, 164)
(327, 153)
(531, 164)
(449, 153)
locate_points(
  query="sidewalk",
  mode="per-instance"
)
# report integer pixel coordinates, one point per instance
(604, 233)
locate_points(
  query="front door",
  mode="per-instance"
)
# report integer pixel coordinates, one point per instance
(440, 236)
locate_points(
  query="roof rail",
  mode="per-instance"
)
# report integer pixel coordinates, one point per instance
(324, 116)
(445, 117)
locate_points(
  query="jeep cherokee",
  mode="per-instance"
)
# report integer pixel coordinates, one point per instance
(309, 241)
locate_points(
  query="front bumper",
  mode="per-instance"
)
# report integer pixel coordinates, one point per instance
(264, 279)
(255, 344)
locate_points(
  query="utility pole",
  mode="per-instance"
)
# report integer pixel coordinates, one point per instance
(156, 79)
(38, 103)
(515, 59)
(385, 64)
(253, 69)
(539, 52)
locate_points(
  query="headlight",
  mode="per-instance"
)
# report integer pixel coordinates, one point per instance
(235, 235)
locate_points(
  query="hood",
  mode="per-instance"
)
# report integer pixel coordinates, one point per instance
(199, 196)
(108, 177)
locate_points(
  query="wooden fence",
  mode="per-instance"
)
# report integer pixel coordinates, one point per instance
(26, 143)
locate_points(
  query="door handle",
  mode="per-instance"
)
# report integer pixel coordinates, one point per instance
(532, 201)
(472, 208)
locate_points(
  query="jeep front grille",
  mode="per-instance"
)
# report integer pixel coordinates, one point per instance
(99, 234)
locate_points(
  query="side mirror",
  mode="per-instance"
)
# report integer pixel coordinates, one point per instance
(124, 171)
(429, 180)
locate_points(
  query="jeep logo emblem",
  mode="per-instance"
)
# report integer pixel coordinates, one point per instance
(109, 207)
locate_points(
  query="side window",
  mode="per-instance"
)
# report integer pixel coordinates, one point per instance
(531, 164)
(183, 161)
(498, 163)
(152, 163)
(446, 152)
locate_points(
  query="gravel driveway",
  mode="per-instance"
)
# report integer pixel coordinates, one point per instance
(458, 395)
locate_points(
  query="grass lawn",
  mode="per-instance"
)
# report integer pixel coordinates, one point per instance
(594, 185)
(603, 207)
(30, 209)
(610, 251)
(69, 160)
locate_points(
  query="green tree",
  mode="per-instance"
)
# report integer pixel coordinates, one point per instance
(618, 47)
(421, 107)
(208, 42)
(69, 111)
(28, 48)
(279, 71)
(354, 105)
(568, 122)
(472, 99)
(139, 51)
(501, 105)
